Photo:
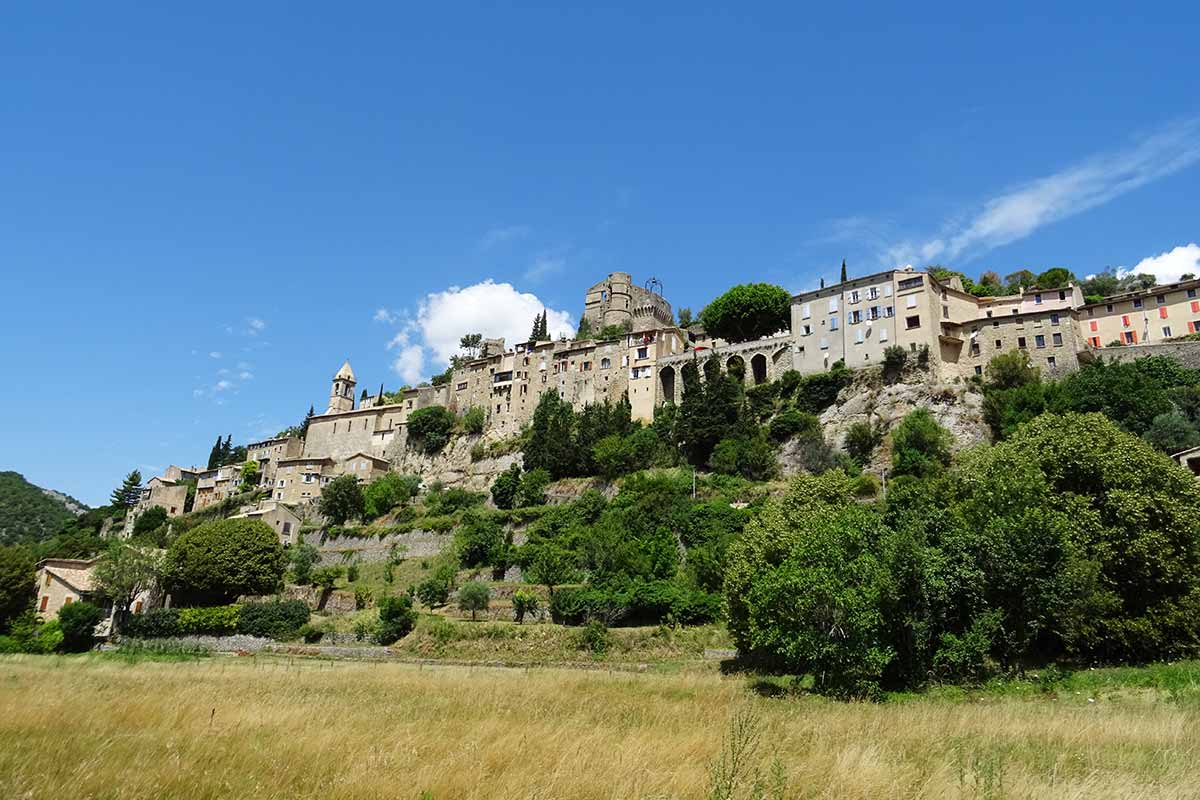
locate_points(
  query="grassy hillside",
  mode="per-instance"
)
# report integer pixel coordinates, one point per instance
(27, 513)
(270, 728)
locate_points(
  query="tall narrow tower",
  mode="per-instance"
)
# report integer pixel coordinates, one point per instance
(341, 394)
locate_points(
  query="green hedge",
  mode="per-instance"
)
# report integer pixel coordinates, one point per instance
(210, 620)
(154, 624)
(638, 603)
(273, 620)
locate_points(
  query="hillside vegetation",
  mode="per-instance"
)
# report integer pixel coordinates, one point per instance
(30, 514)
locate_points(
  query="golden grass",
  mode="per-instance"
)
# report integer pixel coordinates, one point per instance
(261, 728)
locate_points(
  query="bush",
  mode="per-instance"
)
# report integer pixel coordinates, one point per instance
(385, 493)
(594, 637)
(894, 359)
(474, 597)
(480, 541)
(533, 487)
(273, 620)
(431, 426)
(1011, 371)
(78, 622)
(819, 391)
(218, 561)
(474, 420)
(396, 619)
(310, 633)
(861, 440)
(920, 447)
(209, 620)
(342, 500)
(153, 624)
(17, 580)
(439, 501)
(434, 591)
(303, 556)
(506, 487)
(524, 603)
(325, 578)
(792, 422)
(752, 458)
(150, 520)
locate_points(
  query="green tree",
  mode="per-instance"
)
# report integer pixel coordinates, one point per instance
(1014, 281)
(861, 440)
(249, 474)
(302, 557)
(525, 604)
(533, 487)
(17, 583)
(474, 597)
(396, 619)
(1011, 370)
(78, 622)
(551, 566)
(613, 456)
(431, 426)
(685, 317)
(470, 343)
(1055, 278)
(474, 420)
(342, 500)
(216, 562)
(1172, 433)
(129, 492)
(479, 540)
(149, 521)
(386, 493)
(551, 444)
(124, 571)
(794, 422)
(214, 455)
(307, 421)
(506, 487)
(748, 311)
(920, 447)
(844, 274)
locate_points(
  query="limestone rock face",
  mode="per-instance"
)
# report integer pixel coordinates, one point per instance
(453, 466)
(958, 407)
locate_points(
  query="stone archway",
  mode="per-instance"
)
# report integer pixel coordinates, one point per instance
(666, 383)
(758, 368)
(736, 367)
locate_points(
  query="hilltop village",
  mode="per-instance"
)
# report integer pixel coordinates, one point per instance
(637, 351)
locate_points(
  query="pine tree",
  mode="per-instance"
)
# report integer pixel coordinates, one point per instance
(843, 270)
(130, 490)
(539, 326)
(304, 425)
(214, 455)
(226, 450)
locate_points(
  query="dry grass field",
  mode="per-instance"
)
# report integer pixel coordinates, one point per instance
(95, 727)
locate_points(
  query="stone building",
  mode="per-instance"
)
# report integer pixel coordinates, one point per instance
(279, 518)
(616, 300)
(268, 453)
(215, 485)
(169, 491)
(1143, 317)
(63, 581)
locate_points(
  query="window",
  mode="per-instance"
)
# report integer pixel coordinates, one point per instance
(805, 311)
(1095, 340)
(989, 313)
(883, 334)
(45, 600)
(873, 312)
(1108, 308)
(1021, 342)
(833, 323)
(909, 283)
(1056, 339)
(1054, 319)
(872, 293)
(1125, 320)
(1091, 312)
(999, 344)
(1040, 341)
(1051, 361)
(912, 322)
(605, 363)
(1095, 326)
(945, 312)
(1128, 337)
(1191, 293)
(888, 311)
(995, 323)
(643, 352)
(887, 290)
(1137, 303)
(978, 370)
(833, 305)
(1166, 331)
(824, 343)
(807, 330)
(1037, 299)
(1062, 295)
(855, 317)
(858, 336)
(1196, 306)
(854, 296)
(461, 386)
(910, 301)
(1161, 299)
(1162, 312)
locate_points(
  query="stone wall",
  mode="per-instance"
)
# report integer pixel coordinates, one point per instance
(417, 544)
(1186, 353)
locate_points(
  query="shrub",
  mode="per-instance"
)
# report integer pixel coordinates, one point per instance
(1011, 371)
(594, 637)
(1172, 433)
(894, 359)
(533, 487)
(788, 382)
(385, 493)
(819, 391)
(17, 581)
(440, 501)
(78, 622)
(434, 591)
(342, 500)
(920, 447)
(431, 427)
(861, 440)
(209, 620)
(506, 487)
(474, 597)
(310, 633)
(474, 420)
(218, 561)
(153, 624)
(396, 619)
(524, 603)
(752, 458)
(326, 578)
(303, 556)
(480, 541)
(273, 620)
(150, 520)
(792, 422)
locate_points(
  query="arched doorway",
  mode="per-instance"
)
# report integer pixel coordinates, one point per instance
(758, 368)
(736, 367)
(666, 380)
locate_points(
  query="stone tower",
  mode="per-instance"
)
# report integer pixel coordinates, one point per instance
(341, 394)
(616, 300)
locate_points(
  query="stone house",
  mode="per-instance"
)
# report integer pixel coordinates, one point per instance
(280, 518)
(268, 453)
(1143, 317)
(63, 581)
(215, 485)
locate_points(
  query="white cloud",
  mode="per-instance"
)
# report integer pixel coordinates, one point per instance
(256, 326)
(1024, 209)
(214, 354)
(427, 341)
(499, 235)
(222, 386)
(1167, 267)
(384, 315)
(245, 376)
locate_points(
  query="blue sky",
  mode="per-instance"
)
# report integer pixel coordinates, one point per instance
(202, 212)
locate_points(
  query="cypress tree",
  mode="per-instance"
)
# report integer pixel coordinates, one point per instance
(843, 270)
(304, 425)
(226, 450)
(214, 455)
(125, 495)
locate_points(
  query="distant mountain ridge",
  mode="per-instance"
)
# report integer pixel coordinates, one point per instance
(30, 513)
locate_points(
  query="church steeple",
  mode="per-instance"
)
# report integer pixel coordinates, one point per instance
(341, 393)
